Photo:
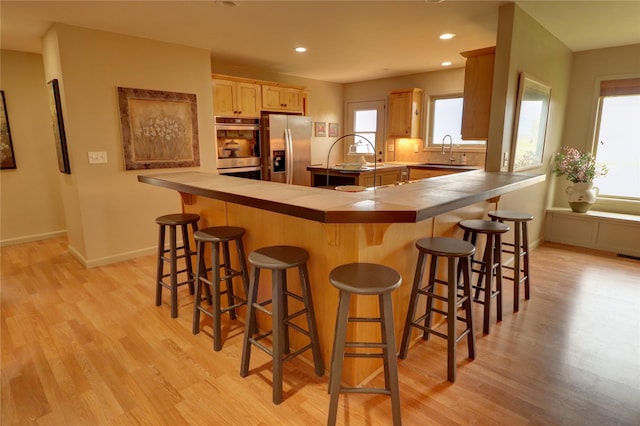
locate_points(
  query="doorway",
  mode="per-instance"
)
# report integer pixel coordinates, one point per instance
(367, 118)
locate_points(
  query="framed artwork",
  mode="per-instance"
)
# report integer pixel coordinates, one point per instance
(333, 130)
(321, 129)
(7, 158)
(159, 129)
(532, 111)
(58, 127)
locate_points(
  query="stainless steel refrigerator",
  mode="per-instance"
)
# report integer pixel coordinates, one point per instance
(286, 148)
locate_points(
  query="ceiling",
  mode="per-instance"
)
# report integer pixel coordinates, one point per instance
(347, 41)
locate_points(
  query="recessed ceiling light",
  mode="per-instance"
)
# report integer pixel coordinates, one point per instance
(301, 49)
(446, 63)
(447, 36)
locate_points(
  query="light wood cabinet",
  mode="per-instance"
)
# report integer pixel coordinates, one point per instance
(385, 175)
(282, 98)
(416, 173)
(478, 83)
(405, 113)
(236, 98)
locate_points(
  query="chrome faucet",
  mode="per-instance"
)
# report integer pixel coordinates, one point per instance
(451, 159)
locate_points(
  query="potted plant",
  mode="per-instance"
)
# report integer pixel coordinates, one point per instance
(581, 169)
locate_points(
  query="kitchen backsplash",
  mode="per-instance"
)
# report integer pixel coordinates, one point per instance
(403, 153)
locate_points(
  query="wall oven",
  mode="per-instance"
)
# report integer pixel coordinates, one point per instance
(237, 144)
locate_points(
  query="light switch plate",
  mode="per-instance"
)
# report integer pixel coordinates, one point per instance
(416, 148)
(97, 157)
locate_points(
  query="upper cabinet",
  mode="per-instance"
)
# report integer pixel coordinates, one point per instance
(405, 113)
(282, 98)
(478, 83)
(236, 98)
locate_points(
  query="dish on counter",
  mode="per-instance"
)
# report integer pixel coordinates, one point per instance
(350, 188)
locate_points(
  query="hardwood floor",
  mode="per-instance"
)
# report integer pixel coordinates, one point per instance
(88, 347)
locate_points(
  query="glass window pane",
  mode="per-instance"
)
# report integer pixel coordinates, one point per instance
(447, 120)
(619, 146)
(365, 121)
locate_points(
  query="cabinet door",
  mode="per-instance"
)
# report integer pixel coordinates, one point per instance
(248, 99)
(276, 98)
(478, 83)
(224, 97)
(405, 113)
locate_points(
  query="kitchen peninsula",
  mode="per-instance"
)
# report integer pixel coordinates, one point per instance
(378, 226)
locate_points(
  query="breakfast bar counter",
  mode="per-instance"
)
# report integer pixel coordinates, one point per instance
(377, 226)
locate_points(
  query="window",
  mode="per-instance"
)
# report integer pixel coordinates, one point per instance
(446, 119)
(618, 136)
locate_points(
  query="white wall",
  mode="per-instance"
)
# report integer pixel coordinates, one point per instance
(109, 214)
(30, 199)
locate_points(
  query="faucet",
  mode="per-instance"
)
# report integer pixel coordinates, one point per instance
(451, 159)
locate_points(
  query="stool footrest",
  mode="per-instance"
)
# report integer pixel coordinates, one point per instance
(377, 345)
(364, 319)
(362, 355)
(378, 391)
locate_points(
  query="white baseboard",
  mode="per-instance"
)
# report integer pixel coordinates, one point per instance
(111, 259)
(31, 238)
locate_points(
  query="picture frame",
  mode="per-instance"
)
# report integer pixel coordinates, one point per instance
(59, 135)
(7, 156)
(333, 130)
(530, 128)
(321, 129)
(159, 129)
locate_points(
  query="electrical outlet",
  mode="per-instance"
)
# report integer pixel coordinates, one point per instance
(505, 159)
(391, 148)
(97, 157)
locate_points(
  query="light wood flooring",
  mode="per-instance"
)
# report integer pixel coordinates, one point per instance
(88, 347)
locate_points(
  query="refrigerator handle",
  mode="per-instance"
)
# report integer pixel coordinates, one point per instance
(289, 157)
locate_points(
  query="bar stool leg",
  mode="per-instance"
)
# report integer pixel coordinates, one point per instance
(466, 282)
(525, 247)
(174, 272)
(487, 269)
(215, 281)
(497, 258)
(432, 289)
(516, 266)
(279, 331)
(187, 256)
(250, 327)
(160, 266)
(338, 355)
(390, 361)
(228, 279)
(451, 320)
(286, 347)
(200, 269)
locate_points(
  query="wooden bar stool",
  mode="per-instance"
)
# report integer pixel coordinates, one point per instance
(457, 252)
(216, 236)
(170, 255)
(364, 279)
(519, 248)
(489, 267)
(278, 259)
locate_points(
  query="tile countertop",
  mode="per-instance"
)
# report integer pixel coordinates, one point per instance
(408, 203)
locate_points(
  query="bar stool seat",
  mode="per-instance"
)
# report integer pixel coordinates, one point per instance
(365, 279)
(489, 267)
(458, 254)
(519, 249)
(173, 254)
(216, 236)
(278, 259)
